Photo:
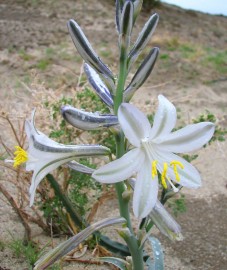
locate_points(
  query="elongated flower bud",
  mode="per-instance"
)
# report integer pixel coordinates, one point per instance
(126, 19)
(79, 167)
(143, 38)
(119, 7)
(162, 219)
(137, 7)
(86, 51)
(137, 4)
(142, 74)
(165, 222)
(98, 85)
(87, 120)
(126, 25)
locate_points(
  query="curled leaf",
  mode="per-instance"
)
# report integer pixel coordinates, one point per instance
(158, 262)
(61, 250)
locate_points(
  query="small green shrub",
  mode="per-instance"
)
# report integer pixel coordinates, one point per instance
(178, 205)
(220, 133)
(148, 4)
(30, 251)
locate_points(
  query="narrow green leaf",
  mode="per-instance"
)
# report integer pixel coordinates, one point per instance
(120, 263)
(113, 246)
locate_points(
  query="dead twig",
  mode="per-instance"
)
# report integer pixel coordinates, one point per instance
(18, 211)
(37, 221)
(13, 129)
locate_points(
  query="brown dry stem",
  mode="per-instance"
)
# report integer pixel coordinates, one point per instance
(24, 221)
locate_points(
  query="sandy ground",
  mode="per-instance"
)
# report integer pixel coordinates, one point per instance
(34, 26)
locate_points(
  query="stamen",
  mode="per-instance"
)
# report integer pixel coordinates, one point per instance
(176, 163)
(21, 156)
(163, 176)
(154, 168)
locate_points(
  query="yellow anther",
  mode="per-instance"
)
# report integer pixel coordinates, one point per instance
(164, 175)
(154, 168)
(21, 156)
(176, 163)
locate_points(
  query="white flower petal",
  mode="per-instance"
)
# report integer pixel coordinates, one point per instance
(28, 128)
(134, 123)
(41, 171)
(165, 118)
(189, 176)
(120, 169)
(189, 138)
(146, 191)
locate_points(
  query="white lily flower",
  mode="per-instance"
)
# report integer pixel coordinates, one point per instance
(45, 155)
(154, 152)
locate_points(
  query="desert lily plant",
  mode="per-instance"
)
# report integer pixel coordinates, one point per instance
(142, 151)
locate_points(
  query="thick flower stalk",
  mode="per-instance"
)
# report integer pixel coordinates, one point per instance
(44, 155)
(154, 154)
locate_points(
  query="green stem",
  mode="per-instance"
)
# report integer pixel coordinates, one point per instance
(136, 252)
(120, 147)
(121, 79)
(120, 186)
(65, 201)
